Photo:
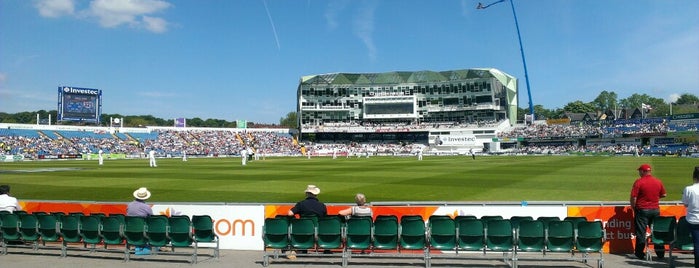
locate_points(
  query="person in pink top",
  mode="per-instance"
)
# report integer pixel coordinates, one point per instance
(645, 201)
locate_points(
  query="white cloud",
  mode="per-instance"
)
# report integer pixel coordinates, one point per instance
(332, 12)
(363, 27)
(111, 13)
(156, 25)
(55, 8)
(3, 77)
(114, 13)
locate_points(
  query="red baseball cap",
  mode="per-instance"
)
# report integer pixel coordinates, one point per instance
(644, 167)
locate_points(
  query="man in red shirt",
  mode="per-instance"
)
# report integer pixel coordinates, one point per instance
(645, 198)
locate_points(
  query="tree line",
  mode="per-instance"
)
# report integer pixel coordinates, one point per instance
(605, 101)
(609, 101)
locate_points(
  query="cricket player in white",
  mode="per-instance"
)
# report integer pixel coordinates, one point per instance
(244, 156)
(151, 157)
(100, 157)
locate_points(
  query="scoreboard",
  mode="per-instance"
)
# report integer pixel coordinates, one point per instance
(79, 104)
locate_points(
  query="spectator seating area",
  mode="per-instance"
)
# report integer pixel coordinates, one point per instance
(672, 234)
(461, 237)
(174, 235)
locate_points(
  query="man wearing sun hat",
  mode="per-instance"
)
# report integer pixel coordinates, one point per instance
(139, 208)
(645, 201)
(310, 205)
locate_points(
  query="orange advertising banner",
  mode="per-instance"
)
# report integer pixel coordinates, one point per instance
(618, 223)
(85, 208)
(425, 211)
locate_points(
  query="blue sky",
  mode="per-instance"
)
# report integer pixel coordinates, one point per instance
(232, 60)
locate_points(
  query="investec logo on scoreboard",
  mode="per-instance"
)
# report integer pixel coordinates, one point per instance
(79, 90)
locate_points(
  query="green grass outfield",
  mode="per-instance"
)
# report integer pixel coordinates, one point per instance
(488, 178)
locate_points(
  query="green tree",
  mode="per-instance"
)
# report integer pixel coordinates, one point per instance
(658, 107)
(687, 98)
(195, 122)
(579, 107)
(606, 100)
(289, 121)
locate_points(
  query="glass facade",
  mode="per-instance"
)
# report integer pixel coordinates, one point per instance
(458, 96)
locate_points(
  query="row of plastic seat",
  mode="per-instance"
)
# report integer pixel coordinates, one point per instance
(670, 232)
(386, 233)
(18, 229)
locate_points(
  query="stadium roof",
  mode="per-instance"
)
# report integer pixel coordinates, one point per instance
(408, 77)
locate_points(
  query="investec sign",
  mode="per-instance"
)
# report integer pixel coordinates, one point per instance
(458, 140)
(79, 90)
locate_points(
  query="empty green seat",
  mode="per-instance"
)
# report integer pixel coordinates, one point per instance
(69, 230)
(560, 236)
(386, 232)
(499, 235)
(442, 232)
(330, 232)
(156, 231)
(203, 232)
(180, 234)
(590, 239)
(29, 229)
(531, 236)
(48, 228)
(111, 230)
(470, 234)
(662, 232)
(90, 230)
(275, 235)
(302, 233)
(9, 229)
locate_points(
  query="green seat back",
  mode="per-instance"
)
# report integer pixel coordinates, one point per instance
(180, 232)
(111, 229)
(156, 230)
(487, 218)
(412, 232)
(48, 227)
(498, 235)
(386, 232)
(90, 229)
(203, 226)
(10, 227)
(302, 233)
(560, 236)
(515, 220)
(442, 230)
(470, 234)
(134, 230)
(358, 233)
(69, 228)
(663, 230)
(590, 236)
(330, 232)
(275, 232)
(531, 235)
(29, 227)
